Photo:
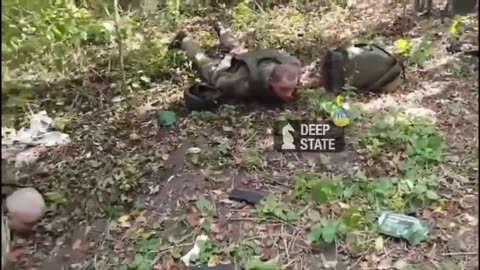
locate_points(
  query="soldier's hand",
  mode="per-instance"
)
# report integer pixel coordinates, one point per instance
(238, 50)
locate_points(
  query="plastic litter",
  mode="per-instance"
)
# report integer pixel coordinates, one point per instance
(194, 253)
(166, 118)
(17, 145)
(37, 134)
(410, 228)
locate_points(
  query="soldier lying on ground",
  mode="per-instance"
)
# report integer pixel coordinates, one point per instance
(25, 207)
(263, 75)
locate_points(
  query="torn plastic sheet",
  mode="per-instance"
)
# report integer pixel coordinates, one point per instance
(15, 143)
(37, 134)
(194, 253)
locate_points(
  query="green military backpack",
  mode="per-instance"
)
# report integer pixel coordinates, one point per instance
(363, 67)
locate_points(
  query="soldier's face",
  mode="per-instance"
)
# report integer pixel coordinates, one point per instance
(284, 93)
(285, 89)
(284, 81)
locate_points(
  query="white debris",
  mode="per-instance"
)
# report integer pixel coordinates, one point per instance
(194, 150)
(194, 253)
(118, 99)
(15, 143)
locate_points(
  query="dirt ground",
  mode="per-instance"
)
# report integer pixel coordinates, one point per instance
(119, 147)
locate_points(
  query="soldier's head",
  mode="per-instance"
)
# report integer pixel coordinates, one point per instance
(284, 80)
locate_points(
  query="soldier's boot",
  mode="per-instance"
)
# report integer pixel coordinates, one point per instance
(228, 41)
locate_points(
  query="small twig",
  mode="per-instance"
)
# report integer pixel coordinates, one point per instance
(431, 253)
(358, 261)
(249, 139)
(293, 240)
(460, 253)
(285, 243)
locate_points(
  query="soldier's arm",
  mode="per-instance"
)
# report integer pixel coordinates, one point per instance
(232, 83)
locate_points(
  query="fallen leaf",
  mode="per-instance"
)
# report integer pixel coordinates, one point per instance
(170, 263)
(215, 228)
(343, 205)
(427, 213)
(123, 219)
(213, 261)
(385, 264)
(218, 192)
(141, 219)
(439, 210)
(400, 264)
(134, 136)
(379, 244)
(158, 267)
(118, 246)
(79, 244)
(193, 217)
(266, 254)
(470, 219)
(125, 225)
(364, 265)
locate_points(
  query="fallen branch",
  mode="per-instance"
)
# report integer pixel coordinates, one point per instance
(461, 253)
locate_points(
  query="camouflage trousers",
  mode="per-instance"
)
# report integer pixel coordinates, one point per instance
(205, 65)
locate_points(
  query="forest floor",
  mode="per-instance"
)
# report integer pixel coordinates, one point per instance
(128, 194)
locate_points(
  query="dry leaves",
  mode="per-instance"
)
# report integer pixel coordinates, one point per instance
(193, 216)
(168, 264)
(80, 245)
(385, 264)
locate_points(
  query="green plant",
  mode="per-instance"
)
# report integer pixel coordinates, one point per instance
(273, 206)
(205, 206)
(327, 105)
(326, 190)
(207, 250)
(302, 184)
(146, 253)
(252, 160)
(417, 53)
(257, 264)
(456, 28)
(242, 15)
(328, 231)
(243, 251)
(415, 135)
(421, 53)
(216, 158)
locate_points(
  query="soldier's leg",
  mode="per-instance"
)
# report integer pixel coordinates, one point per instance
(204, 64)
(228, 41)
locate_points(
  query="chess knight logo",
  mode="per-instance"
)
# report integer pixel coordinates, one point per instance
(287, 137)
